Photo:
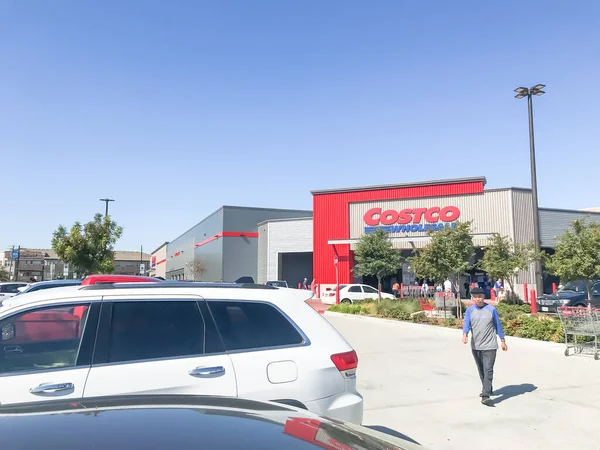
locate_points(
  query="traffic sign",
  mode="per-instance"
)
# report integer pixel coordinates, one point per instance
(15, 254)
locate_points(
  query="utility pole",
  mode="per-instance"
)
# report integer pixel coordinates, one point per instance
(523, 92)
(17, 264)
(141, 258)
(107, 201)
(10, 270)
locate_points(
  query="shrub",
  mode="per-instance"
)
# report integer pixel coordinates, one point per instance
(505, 308)
(398, 309)
(541, 328)
(383, 306)
(420, 318)
(346, 308)
(369, 307)
(450, 322)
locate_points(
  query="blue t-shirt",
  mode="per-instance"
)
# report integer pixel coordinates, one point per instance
(484, 324)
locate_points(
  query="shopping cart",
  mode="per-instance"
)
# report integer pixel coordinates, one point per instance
(580, 322)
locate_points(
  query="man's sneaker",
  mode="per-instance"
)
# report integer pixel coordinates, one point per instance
(487, 401)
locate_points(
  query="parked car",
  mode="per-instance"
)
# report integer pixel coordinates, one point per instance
(89, 280)
(248, 280)
(182, 423)
(282, 284)
(350, 293)
(10, 288)
(254, 341)
(33, 287)
(573, 293)
(117, 278)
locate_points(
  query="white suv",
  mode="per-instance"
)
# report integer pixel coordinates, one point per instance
(255, 342)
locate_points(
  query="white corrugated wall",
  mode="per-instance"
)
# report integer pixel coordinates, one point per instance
(281, 236)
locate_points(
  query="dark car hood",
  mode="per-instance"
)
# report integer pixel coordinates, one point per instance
(181, 422)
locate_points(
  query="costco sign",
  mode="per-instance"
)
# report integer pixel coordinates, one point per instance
(411, 220)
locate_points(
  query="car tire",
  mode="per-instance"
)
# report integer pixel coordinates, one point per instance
(346, 300)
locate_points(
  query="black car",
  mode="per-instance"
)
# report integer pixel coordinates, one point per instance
(279, 284)
(573, 293)
(180, 423)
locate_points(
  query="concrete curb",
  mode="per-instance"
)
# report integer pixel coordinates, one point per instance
(553, 345)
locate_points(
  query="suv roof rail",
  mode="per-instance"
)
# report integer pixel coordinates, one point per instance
(174, 284)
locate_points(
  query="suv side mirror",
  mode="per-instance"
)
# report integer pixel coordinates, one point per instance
(8, 331)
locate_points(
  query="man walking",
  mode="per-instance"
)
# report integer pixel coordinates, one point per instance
(484, 324)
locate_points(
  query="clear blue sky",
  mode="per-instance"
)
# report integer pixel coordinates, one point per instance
(176, 108)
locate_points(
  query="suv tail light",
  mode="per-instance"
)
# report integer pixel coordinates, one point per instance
(346, 363)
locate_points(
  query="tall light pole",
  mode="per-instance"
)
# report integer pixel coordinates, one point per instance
(106, 200)
(523, 92)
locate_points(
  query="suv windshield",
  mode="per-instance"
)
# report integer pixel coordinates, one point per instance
(574, 286)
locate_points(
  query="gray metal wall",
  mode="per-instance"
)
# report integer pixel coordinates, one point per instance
(554, 222)
(240, 254)
(210, 254)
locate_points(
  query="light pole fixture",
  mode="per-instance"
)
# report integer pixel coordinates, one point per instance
(106, 200)
(523, 92)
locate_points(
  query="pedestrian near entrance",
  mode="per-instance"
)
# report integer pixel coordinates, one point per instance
(482, 321)
(448, 285)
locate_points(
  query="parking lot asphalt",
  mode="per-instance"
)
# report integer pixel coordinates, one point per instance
(421, 381)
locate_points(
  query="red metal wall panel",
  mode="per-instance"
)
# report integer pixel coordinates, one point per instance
(331, 220)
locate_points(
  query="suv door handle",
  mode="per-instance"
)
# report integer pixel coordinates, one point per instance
(13, 349)
(205, 371)
(50, 388)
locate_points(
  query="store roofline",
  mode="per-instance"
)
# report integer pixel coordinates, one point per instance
(578, 211)
(224, 207)
(401, 185)
(289, 219)
(164, 244)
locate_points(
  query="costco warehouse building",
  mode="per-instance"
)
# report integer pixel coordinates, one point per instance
(406, 211)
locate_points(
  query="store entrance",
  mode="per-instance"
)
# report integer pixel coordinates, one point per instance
(386, 282)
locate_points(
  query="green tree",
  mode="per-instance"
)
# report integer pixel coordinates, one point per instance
(447, 256)
(375, 256)
(4, 275)
(503, 258)
(577, 254)
(88, 248)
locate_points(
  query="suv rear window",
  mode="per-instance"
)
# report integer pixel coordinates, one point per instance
(253, 325)
(151, 330)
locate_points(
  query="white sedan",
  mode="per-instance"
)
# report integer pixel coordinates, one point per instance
(350, 293)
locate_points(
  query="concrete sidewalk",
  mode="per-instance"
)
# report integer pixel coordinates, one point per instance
(421, 381)
(318, 305)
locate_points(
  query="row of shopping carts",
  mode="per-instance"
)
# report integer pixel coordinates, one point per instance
(582, 329)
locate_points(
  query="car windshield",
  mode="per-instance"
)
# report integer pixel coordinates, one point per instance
(574, 286)
(278, 283)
